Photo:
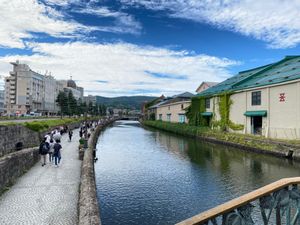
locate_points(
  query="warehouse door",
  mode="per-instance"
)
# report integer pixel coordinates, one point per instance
(256, 124)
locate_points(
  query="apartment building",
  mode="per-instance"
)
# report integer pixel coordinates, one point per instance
(28, 91)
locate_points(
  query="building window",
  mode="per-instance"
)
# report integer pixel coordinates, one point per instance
(181, 118)
(160, 117)
(207, 103)
(181, 106)
(169, 117)
(256, 98)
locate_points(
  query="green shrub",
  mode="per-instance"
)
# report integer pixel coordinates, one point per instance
(43, 125)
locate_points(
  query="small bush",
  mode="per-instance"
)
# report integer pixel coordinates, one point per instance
(46, 124)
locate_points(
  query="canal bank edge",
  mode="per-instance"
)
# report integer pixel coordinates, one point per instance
(88, 207)
(278, 148)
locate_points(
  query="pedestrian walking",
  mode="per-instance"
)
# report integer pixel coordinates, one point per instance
(57, 154)
(43, 150)
(80, 132)
(70, 135)
(57, 136)
(48, 137)
(51, 150)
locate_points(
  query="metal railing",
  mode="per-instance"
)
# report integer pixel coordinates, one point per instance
(277, 203)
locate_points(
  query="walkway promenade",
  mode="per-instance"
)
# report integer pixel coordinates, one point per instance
(45, 195)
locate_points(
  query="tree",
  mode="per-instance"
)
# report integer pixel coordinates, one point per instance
(90, 108)
(72, 104)
(62, 102)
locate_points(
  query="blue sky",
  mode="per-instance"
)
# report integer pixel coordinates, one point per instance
(146, 47)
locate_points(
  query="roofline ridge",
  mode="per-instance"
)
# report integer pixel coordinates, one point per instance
(271, 66)
(291, 56)
(244, 71)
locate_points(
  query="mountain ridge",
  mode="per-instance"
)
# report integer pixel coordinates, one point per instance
(124, 102)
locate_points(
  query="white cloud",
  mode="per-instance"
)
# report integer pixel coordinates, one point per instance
(21, 18)
(124, 23)
(124, 66)
(273, 21)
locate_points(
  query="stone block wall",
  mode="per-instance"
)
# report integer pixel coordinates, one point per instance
(88, 208)
(11, 135)
(15, 164)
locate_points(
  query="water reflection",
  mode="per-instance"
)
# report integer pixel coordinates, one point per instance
(145, 176)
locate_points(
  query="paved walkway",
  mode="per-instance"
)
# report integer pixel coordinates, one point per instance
(45, 195)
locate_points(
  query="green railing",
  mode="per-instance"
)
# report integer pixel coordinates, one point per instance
(277, 203)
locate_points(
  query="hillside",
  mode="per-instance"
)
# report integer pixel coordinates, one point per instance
(124, 102)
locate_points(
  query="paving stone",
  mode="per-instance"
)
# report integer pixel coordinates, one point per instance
(45, 195)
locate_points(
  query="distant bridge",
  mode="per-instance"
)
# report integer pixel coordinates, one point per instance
(136, 118)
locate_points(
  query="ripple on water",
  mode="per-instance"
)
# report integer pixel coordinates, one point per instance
(150, 177)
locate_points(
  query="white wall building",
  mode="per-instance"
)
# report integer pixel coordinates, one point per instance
(265, 100)
(28, 91)
(70, 85)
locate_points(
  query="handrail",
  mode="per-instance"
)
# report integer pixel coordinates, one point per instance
(240, 201)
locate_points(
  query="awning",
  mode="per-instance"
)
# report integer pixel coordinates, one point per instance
(256, 113)
(206, 114)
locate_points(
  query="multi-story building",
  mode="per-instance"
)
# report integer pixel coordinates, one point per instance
(263, 101)
(2, 99)
(90, 98)
(28, 91)
(70, 85)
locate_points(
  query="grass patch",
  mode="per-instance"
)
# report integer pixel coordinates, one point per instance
(43, 125)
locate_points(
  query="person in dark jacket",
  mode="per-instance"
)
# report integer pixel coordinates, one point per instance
(57, 155)
(43, 150)
(70, 135)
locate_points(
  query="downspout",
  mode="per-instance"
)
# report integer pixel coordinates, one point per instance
(298, 110)
(245, 126)
(268, 114)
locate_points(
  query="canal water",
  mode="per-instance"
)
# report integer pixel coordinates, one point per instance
(146, 176)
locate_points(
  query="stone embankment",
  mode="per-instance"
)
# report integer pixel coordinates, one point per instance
(10, 136)
(279, 148)
(88, 207)
(15, 164)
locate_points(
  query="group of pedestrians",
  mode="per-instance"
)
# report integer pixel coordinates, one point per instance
(51, 146)
(84, 129)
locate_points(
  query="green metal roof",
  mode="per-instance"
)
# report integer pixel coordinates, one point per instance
(285, 70)
(256, 113)
(206, 114)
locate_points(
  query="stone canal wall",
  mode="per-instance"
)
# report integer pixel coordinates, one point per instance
(262, 145)
(11, 135)
(88, 208)
(13, 165)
